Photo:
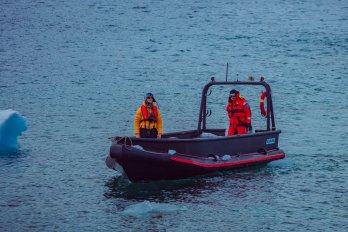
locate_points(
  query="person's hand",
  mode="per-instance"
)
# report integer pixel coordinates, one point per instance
(250, 127)
(159, 136)
(137, 136)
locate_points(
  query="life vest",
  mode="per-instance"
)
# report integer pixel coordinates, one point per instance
(146, 116)
(262, 104)
(239, 110)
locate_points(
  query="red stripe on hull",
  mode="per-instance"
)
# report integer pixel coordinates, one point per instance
(231, 163)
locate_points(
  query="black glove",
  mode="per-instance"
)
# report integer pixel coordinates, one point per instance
(250, 128)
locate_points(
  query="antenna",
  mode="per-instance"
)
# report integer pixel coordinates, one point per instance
(226, 71)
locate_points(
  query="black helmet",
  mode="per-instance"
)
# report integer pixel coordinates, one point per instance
(233, 92)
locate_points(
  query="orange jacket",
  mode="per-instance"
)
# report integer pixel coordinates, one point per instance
(239, 109)
(142, 121)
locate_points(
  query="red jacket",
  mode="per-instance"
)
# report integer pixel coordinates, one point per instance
(239, 109)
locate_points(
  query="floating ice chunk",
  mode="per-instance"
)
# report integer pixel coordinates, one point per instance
(12, 124)
(171, 152)
(146, 208)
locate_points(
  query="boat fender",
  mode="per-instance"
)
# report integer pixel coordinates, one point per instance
(171, 152)
(262, 151)
(262, 104)
(138, 147)
(215, 157)
(226, 157)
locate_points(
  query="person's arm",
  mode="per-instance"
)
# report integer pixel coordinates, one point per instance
(228, 110)
(159, 124)
(247, 112)
(137, 119)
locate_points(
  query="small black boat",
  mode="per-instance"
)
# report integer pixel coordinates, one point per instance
(196, 152)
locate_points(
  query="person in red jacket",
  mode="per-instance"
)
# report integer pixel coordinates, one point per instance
(239, 114)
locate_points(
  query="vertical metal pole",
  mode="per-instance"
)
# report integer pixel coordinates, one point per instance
(272, 116)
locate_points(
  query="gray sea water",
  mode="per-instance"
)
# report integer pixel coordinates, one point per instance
(78, 70)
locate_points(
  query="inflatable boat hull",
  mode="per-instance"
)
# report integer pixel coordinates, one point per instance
(140, 165)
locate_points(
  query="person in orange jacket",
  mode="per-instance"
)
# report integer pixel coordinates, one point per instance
(239, 113)
(148, 119)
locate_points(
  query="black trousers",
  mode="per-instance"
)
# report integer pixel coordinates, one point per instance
(148, 133)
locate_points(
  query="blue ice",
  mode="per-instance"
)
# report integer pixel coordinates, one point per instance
(147, 208)
(12, 124)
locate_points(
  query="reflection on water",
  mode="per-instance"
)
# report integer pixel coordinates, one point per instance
(119, 187)
(14, 157)
(157, 206)
(183, 190)
(9, 154)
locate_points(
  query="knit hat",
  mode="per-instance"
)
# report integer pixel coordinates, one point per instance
(150, 95)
